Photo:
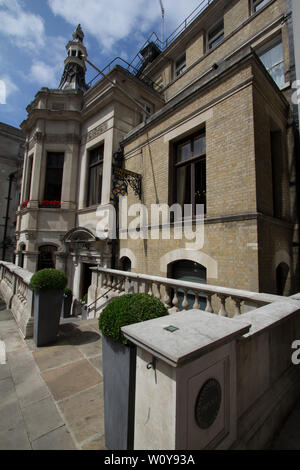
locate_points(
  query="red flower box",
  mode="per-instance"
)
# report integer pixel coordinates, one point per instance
(24, 204)
(52, 204)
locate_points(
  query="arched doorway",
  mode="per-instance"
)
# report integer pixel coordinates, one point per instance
(187, 270)
(46, 257)
(125, 264)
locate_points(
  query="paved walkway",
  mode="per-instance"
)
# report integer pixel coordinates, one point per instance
(51, 398)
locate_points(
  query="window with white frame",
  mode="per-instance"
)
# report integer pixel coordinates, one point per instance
(257, 5)
(271, 55)
(180, 65)
(215, 35)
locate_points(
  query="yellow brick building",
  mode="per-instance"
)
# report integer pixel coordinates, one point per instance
(204, 118)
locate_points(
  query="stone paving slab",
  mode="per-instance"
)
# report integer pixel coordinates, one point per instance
(59, 439)
(10, 413)
(15, 439)
(28, 383)
(96, 444)
(4, 371)
(51, 398)
(70, 379)
(84, 413)
(91, 348)
(55, 356)
(96, 362)
(41, 418)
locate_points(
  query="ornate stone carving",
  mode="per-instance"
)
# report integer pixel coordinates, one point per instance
(38, 137)
(30, 235)
(95, 132)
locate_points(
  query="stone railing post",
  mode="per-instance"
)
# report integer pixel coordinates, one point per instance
(186, 379)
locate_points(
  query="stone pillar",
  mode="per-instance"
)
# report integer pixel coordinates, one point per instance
(185, 396)
(37, 181)
(107, 167)
(83, 179)
(77, 278)
(30, 261)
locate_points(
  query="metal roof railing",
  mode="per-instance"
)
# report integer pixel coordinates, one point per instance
(135, 66)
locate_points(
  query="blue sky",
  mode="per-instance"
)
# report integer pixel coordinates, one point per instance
(33, 35)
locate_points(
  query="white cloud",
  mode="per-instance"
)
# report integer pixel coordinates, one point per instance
(8, 87)
(25, 29)
(44, 74)
(112, 20)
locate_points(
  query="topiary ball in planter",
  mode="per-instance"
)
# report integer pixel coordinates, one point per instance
(48, 279)
(119, 364)
(126, 310)
(48, 286)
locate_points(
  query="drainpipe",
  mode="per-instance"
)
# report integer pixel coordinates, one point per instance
(6, 218)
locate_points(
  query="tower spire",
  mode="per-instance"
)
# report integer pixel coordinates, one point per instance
(73, 77)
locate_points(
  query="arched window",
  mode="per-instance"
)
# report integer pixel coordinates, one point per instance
(46, 257)
(282, 272)
(125, 264)
(186, 270)
(22, 248)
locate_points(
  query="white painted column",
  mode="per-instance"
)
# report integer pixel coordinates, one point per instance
(76, 279)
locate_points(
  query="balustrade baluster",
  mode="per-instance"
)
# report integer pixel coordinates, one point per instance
(167, 297)
(196, 302)
(149, 288)
(222, 311)
(208, 304)
(175, 300)
(185, 302)
(237, 306)
(157, 294)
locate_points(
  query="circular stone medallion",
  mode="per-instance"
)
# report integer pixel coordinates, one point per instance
(208, 403)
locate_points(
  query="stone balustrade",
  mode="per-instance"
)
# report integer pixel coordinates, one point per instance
(18, 296)
(176, 295)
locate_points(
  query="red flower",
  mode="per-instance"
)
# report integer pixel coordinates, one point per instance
(24, 204)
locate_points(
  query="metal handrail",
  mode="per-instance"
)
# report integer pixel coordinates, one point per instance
(161, 45)
(188, 20)
(135, 72)
(95, 301)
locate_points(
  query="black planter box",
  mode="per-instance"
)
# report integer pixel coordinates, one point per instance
(66, 307)
(47, 310)
(119, 362)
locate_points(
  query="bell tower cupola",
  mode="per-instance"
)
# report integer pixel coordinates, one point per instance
(73, 77)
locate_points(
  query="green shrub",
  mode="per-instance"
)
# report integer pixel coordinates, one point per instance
(67, 292)
(48, 279)
(85, 298)
(128, 309)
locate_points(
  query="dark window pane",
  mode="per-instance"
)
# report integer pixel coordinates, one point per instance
(95, 176)
(184, 151)
(199, 145)
(200, 182)
(183, 185)
(54, 174)
(46, 257)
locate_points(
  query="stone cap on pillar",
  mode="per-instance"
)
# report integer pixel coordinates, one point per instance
(184, 336)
